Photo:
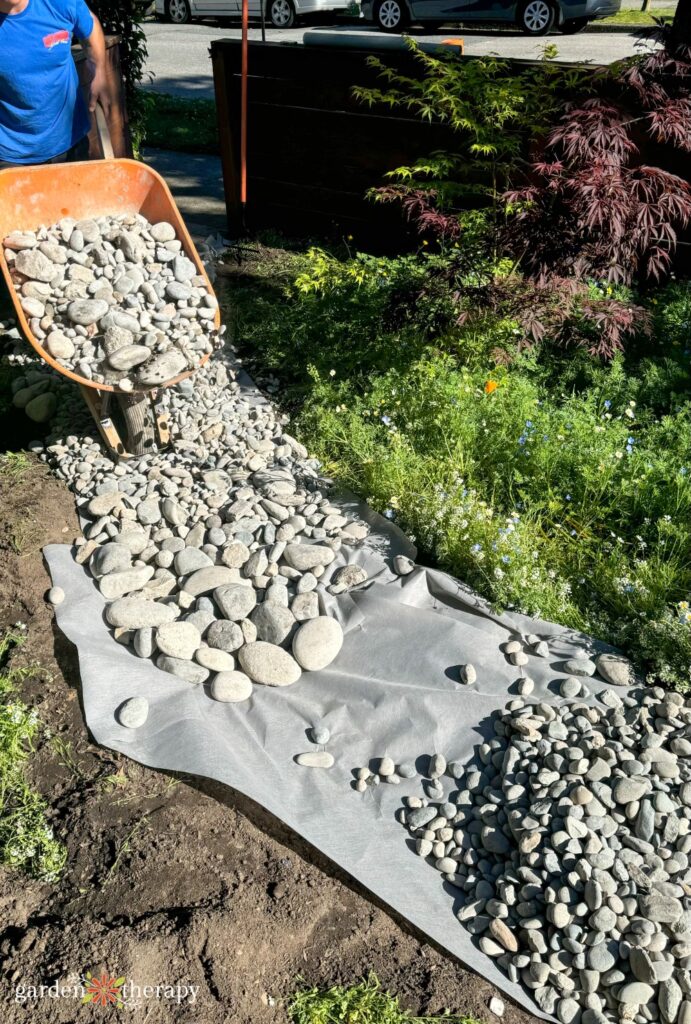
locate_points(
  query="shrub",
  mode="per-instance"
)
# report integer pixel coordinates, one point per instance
(124, 18)
(596, 205)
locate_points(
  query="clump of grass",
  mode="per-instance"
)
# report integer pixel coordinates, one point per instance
(26, 839)
(13, 465)
(631, 17)
(364, 1003)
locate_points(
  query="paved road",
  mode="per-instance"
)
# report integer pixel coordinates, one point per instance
(180, 65)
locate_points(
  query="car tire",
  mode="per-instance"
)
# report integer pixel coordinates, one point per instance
(536, 17)
(178, 12)
(281, 13)
(573, 25)
(391, 15)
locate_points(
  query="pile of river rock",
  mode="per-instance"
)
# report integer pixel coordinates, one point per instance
(569, 836)
(210, 554)
(114, 298)
(214, 553)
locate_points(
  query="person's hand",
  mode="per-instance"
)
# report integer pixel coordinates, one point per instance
(99, 92)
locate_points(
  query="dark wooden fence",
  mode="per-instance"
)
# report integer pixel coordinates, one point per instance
(313, 150)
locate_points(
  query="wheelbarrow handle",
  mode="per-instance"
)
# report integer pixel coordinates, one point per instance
(104, 133)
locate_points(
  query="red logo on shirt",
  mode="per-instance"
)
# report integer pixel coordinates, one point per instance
(55, 38)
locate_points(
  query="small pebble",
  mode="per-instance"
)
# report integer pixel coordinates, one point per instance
(133, 712)
(468, 674)
(315, 759)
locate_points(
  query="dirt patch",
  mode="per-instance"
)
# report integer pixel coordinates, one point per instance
(172, 880)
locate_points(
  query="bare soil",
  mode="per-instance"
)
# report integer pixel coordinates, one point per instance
(174, 880)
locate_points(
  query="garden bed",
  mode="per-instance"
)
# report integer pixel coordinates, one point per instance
(554, 483)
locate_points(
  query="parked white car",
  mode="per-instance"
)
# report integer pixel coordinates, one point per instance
(280, 13)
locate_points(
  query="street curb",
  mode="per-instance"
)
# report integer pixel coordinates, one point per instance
(634, 29)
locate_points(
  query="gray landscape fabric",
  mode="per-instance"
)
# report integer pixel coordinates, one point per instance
(394, 689)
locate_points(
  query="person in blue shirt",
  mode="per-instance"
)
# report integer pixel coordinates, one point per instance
(43, 116)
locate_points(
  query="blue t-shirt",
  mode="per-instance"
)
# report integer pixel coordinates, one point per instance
(42, 111)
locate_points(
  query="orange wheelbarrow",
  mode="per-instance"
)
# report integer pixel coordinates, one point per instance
(43, 195)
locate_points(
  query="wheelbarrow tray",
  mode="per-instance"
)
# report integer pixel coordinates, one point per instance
(44, 194)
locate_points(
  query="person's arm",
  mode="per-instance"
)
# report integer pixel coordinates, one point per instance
(99, 91)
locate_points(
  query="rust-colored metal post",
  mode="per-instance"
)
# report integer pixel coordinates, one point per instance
(243, 112)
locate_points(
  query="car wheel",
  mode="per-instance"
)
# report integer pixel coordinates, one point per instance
(536, 17)
(573, 25)
(178, 11)
(391, 15)
(281, 13)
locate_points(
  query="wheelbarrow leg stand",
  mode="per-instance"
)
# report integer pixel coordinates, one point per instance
(146, 419)
(98, 403)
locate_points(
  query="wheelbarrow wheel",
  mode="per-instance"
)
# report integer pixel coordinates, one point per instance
(141, 433)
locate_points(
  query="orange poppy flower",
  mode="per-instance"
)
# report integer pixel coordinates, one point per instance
(491, 386)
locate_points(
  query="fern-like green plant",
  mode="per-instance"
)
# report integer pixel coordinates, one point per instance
(364, 1003)
(494, 111)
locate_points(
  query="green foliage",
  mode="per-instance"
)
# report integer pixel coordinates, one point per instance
(124, 18)
(634, 17)
(187, 126)
(494, 112)
(365, 1003)
(13, 465)
(552, 483)
(26, 839)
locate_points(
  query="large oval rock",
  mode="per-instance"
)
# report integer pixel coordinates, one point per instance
(224, 635)
(231, 687)
(134, 540)
(59, 346)
(190, 560)
(137, 612)
(162, 231)
(317, 642)
(616, 669)
(117, 584)
(579, 667)
(215, 659)
(149, 512)
(269, 664)
(112, 557)
(41, 408)
(129, 356)
(173, 512)
(307, 556)
(163, 368)
(86, 311)
(204, 580)
(235, 600)
(178, 639)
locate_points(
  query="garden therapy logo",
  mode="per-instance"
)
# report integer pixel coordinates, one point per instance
(104, 990)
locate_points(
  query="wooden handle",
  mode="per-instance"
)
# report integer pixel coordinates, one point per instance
(104, 133)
